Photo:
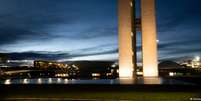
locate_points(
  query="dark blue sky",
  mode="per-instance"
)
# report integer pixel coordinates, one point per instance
(87, 29)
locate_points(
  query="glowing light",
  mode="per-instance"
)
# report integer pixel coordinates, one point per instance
(7, 82)
(59, 80)
(171, 74)
(196, 62)
(132, 34)
(108, 74)
(65, 81)
(139, 73)
(8, 61)
(50, 80)
(95, 74)
(131, 4)
(125, 15)
(113, 65)
(126, 73)
(152, 80)
(149, 39)
(197, 58)
(150, 71)
(25, 81)
(157, 41)
(39, 81)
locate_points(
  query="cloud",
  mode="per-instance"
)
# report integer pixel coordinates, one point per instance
(176, 14)
(181, 49)
(13, 35)
(95, 32)
(179, 43)
(61, 55)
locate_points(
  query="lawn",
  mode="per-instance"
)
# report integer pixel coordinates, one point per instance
(108, 96)
(100, 92)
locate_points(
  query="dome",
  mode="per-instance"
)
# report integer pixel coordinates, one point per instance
(169, 65)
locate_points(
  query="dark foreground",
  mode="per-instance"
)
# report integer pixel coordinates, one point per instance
(88, 92)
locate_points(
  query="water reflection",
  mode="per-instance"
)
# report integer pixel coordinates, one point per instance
(139, 80)
(127, 81)
(151, 80)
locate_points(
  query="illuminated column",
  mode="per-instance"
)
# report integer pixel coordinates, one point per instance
(149, 37)
(126, 32)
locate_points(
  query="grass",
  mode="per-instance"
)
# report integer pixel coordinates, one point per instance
(130, 96)
(100, 92)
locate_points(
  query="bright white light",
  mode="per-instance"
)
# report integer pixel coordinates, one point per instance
(126, 73)
(95, 74)
(171, 74)
(50, 80)
(65, 81)
(25, 81)
(157, 41)
(39, 81)
(7, 82)
(113, 65)
(59, 80)
(139, 73)
(197, 58)
(150, 72)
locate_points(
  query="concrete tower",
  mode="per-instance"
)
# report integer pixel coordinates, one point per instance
(149, 43)
(126, 32)
(127, 38)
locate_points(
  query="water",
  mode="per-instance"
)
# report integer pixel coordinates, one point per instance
(139, 80)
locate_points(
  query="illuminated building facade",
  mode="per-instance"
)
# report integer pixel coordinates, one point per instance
(127, 38)
(196, 62)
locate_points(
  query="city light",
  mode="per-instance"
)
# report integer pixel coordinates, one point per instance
(150, 71)
(139, 73)
(96, 74)
(25, 81)
(126, 73)
(49, 80)
(171, 73)
(196, 63)
(65, 81)
(58, 80)
(7, 82)
(131, 4)
(39, 81)
(157, 41)
(197, 58)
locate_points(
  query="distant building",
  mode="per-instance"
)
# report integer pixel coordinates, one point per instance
(196, 62)
(80, 69)
(48, 64)
(170, 68)
(193, 63)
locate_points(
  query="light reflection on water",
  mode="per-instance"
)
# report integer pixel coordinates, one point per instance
(139, 80)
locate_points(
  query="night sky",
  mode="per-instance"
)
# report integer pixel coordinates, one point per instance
(87, 29)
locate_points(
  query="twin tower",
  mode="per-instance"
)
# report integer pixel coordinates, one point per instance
(127, 38)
